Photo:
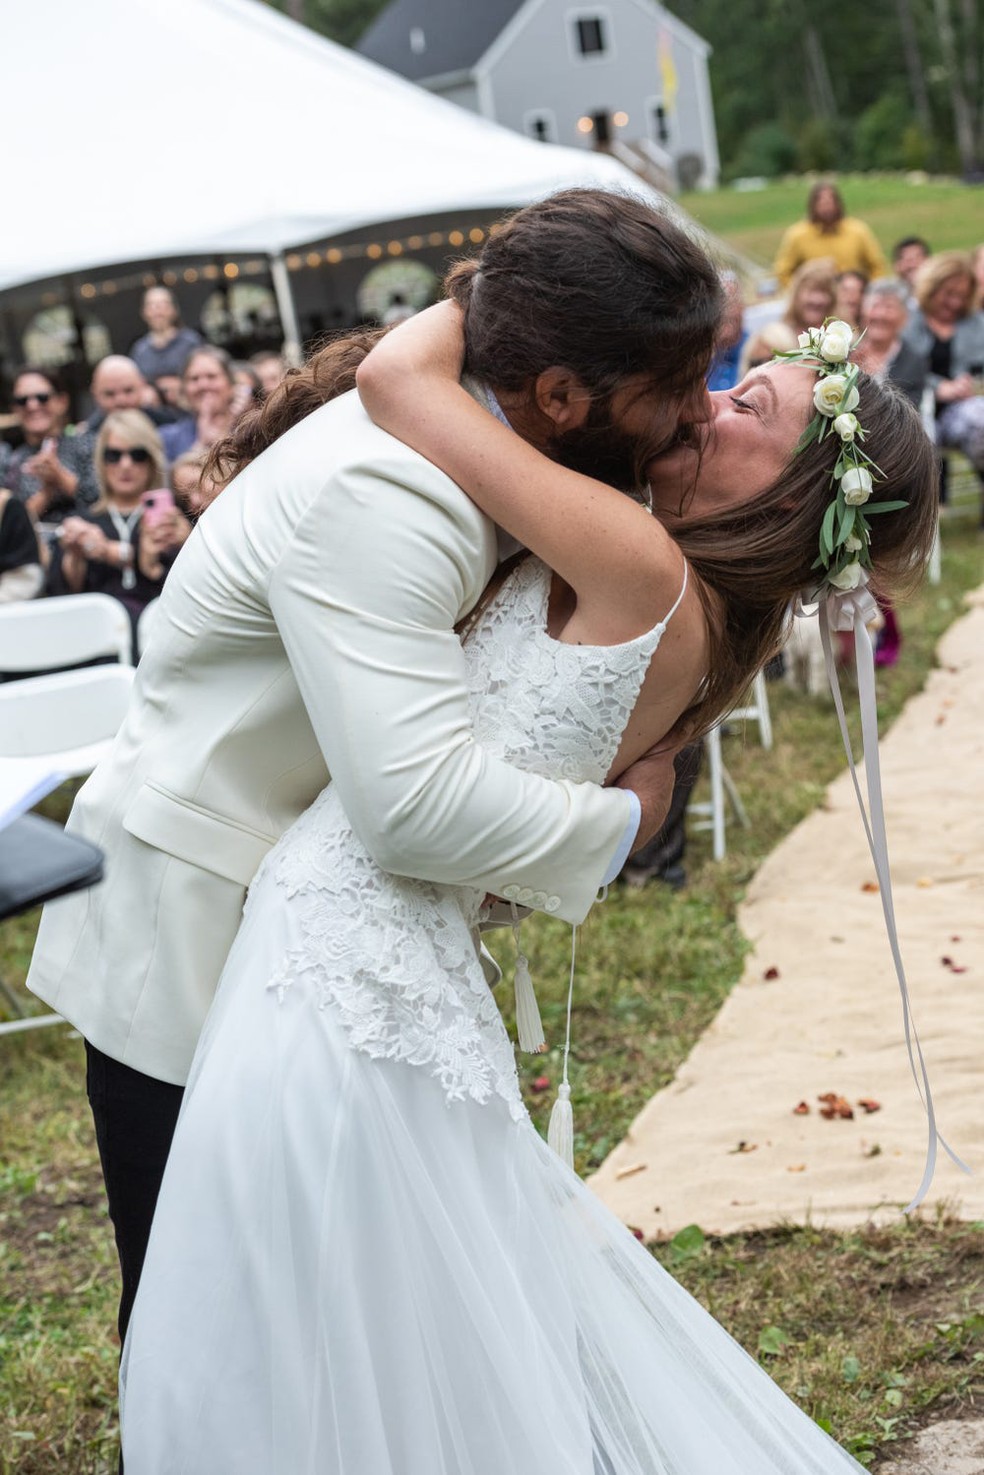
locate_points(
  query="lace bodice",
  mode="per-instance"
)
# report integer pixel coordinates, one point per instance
(397, 958)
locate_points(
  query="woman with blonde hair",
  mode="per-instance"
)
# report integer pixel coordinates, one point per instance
(811, 297)
(119, 547)
(949, 332)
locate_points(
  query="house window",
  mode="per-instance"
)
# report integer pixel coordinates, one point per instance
(590, 35)
(541, 125)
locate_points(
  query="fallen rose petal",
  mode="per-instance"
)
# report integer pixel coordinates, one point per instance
(956, 939)
(796, 1168)
(802, 1109)
(637, 1232)
(925, 881)
(871, 886)
(770, 974)
(868, 1104)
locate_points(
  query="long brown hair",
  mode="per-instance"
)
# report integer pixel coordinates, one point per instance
(752, 559)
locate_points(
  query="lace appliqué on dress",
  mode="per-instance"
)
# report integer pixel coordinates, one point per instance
(397, 959)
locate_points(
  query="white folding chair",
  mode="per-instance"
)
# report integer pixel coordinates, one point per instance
(756, 710)
(67, 717)
(710, 814)
(44, 634)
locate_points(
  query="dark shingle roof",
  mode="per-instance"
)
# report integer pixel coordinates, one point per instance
(456, 33)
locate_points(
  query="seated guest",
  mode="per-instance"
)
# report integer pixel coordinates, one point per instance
(883, 352)
(109, 551)
(809, 300)
(723, 373)
(908, 256)
(214, 399)
(270, 367)
(168, 388)
(21, 573)
(949, 332)
(165, 347)
(192, 489)
(51, 472)
(117, 384)
(850, 291)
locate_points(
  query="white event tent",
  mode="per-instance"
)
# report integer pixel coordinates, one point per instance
(143, 132)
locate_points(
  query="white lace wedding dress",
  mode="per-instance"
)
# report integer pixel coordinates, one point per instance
(365, 1261)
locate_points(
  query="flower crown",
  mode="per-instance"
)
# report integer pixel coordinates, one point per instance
(845, 534)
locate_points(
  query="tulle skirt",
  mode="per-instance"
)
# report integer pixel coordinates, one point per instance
(349, 1276)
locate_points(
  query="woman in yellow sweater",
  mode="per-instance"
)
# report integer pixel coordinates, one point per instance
(827, 231)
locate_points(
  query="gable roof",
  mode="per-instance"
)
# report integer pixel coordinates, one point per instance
(456, 34)
(338, 142)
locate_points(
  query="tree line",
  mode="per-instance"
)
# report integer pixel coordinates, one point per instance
(888, 84)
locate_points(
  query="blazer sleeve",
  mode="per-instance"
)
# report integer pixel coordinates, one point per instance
(366, 596)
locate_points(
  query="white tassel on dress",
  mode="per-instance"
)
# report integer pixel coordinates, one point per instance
(529, 1030)
(528, 1026)
(560, 1130)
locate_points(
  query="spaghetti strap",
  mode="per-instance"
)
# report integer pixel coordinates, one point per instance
(686, 574)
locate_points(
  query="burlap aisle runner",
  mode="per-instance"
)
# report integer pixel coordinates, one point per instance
(817, 1011)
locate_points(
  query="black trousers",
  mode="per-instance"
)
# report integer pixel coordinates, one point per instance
(135, 1116)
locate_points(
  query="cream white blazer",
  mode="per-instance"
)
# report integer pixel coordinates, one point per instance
(306, 629)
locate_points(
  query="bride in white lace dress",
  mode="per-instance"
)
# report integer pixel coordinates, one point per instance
(365, 1261)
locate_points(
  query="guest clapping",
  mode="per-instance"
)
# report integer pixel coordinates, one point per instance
(214, 398)
(51, 472)
(114, 550)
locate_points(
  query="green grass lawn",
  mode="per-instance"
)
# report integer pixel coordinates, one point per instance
(947, 213)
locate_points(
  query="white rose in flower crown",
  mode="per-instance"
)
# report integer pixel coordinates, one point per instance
(830, 391)
(804, 340)
(853, 544)
(847, 426)
(835, 341)
(848, 578)
(856, 484)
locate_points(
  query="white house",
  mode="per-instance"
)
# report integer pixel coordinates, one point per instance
(622, 75)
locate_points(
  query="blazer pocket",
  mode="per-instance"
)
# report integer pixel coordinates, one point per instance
(196, 835)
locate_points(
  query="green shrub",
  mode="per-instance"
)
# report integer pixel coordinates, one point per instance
(767, 149)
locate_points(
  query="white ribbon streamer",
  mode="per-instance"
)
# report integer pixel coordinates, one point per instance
(852, 611)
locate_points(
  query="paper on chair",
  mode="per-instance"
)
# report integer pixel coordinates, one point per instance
(23, 782)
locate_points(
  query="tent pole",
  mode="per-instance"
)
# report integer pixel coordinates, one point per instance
(280, 278)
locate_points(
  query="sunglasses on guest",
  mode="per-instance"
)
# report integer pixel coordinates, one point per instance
(23, 400)
(139, 455)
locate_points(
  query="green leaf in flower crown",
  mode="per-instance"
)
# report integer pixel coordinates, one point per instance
(846, 523)
(870, 507)
(827, 531)
(810, 434)
(820, 562)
